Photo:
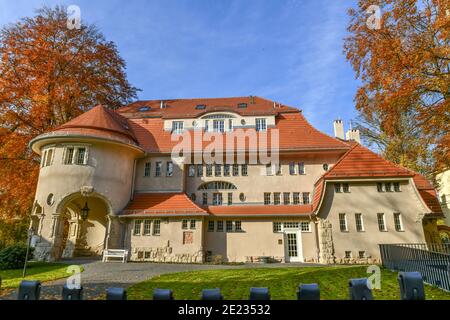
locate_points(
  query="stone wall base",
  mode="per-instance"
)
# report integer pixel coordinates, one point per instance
(357, 261)
(165, 254)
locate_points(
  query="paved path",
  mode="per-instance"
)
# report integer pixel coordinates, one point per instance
(98, 276)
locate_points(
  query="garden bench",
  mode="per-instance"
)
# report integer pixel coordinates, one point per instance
(115, 253)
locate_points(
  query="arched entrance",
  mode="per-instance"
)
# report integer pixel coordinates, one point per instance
(78, 237)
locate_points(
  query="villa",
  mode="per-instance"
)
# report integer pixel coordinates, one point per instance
(158, 179)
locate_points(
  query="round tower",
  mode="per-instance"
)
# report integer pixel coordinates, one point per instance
(85, 180)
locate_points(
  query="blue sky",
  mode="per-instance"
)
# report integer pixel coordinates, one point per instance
(286, 50)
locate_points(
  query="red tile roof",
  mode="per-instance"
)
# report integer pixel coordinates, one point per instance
(318, 193)
(360, 162)
(186, 108)
(168, 204)
(263, 210)
(427, 193)
(100, 122)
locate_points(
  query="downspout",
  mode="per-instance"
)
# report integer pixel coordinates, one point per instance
(133, 180)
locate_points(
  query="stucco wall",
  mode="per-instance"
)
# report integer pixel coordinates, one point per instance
(364, 198)
(256, 239)
(162, 183)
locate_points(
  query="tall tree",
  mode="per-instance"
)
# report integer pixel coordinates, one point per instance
(404, 64)
(49, 73)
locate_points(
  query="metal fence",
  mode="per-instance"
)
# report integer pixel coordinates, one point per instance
(431, 260)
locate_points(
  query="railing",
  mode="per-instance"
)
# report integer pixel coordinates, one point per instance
(431, 260)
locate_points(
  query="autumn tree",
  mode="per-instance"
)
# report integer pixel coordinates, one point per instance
(403, 64)
(49, 73)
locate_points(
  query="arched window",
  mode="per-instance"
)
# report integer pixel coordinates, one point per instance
(217, 185)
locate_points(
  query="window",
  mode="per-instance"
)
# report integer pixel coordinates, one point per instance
(218, 170)
(184, 224)
(48, 157)
(147, 169)
(229, 226)
(210, 226)
(235, 169)
(226, 170)
(158, 169)
(204, 199)
(398, 222)
(69, 156)
(199, 170)
(177, 126)
(286, 198)
(388, 187)
(192, 226)
(242, 197)
(237, 226)
(348, 254)
(305, 226)
(359, 222)
(209, 170)
(290, 225)
(242, 105)
(169, 169)
(296, 198)
(292, 168)
(156, 227)
(230, 125)
(145, 108)
(305, 197)
(261, 124)
(206, 125)
(276, 226)
(137, 227)
(269, 171)
(343, 222)
(218, 126)
(200, 107)
(380, 187)
(193, 197)
(191, 170)
(244, 168)
(278, 169)
(217, 199)
(381, 222)
(81, 156)
(325, 166)
(301, 168)
(346, 187)
(147, 227)
(230, 198)
(337, 187)
(220, 226)
(266, 198)
(361, 254)
(217, 185)
(397, 186)
(276, 198)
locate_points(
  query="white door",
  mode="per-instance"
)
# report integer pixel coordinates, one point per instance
(293, 246)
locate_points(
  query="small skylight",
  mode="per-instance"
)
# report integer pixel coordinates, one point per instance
(144, 108)
(200, 107)
(242, 105)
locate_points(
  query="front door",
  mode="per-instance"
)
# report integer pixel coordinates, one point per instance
(293, 246)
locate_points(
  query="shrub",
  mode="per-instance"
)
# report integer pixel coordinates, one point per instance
(13, 257)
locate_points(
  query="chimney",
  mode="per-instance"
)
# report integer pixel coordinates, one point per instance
(338, 129)
(162, 106)
(252, 100)
(353, 134)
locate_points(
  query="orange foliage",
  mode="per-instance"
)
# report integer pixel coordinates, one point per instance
(404, 68)
(48, 75)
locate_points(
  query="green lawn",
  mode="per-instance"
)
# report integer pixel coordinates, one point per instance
(282, 283)
(42, 271)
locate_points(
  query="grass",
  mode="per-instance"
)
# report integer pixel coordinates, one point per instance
(282, 282)
(42, 271)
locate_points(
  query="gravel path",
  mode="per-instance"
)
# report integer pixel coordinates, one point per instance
(98, 276)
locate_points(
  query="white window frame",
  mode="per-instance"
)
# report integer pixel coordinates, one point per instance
(296, 198)
(277, 227)
(399, 226)
(76, 149)
(137, 232)
(343, 225)
(177, 127)
(192, 224)
(220, 224)
(147, 169)
(277, 199)
(211, 226)
(359, 222)
(184, 224)
(147, 227)
(219, 125)
(292, 168)
(383, 220)
(267, 198)
(217, 199)
(169, 169)
(156, 230)
(261, 124)
(229, 223)
(158, 168)
(306, 195)
(191, 170)
(301, 165)
(286, 198)
(305, 226)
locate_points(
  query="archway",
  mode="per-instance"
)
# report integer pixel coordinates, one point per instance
(76, 237)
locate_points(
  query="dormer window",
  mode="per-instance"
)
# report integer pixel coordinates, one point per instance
(242, 105)
(144, 108)
(177, 126)
(200, 107)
